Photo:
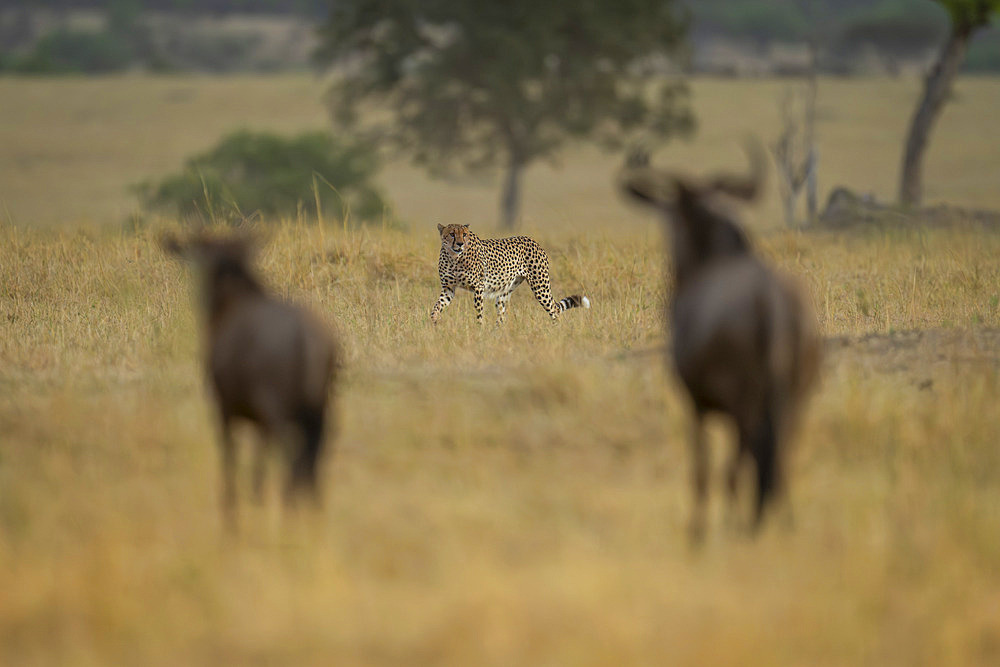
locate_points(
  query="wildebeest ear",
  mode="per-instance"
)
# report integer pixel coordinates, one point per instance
(440, 228)
(649, 185)
(171, 245)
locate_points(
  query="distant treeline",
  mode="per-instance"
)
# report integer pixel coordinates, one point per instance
(826, 20)
(895, 29)
(86, 37)
(284, 7)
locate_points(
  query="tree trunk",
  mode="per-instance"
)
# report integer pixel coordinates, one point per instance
(812, 188)
(936, 90)
(510, 198)
(812, 153)
(788, 197)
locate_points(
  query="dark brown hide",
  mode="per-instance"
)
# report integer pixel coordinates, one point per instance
(269, 362)
(744, 339)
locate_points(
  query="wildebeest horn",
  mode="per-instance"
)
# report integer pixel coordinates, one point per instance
(743, 187)
(648, 184)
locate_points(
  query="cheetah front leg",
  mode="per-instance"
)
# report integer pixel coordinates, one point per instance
(477, 300)
(447, 294)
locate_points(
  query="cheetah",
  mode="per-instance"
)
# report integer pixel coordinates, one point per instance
(493, 268)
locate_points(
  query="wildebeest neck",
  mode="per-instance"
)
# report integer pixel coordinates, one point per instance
(228, 283)
(702, 237)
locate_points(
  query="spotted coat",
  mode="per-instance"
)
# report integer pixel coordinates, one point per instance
(492, 269)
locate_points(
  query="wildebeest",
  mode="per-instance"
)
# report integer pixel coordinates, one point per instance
(745, 341)
(269, 362)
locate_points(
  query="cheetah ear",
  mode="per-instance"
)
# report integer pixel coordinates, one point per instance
(466, 226)
(440, 228)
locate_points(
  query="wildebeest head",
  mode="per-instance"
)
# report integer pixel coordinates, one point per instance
(702, 225)
(209, 252)
(223, 262)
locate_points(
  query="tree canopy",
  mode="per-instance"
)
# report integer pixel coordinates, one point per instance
(970, 13)
(475, 84)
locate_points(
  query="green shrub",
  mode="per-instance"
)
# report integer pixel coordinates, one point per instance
(256, 172)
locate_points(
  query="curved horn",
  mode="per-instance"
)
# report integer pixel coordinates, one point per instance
(649, 185)
(744, 187)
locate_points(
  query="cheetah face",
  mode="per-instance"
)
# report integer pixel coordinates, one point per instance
(454, 237)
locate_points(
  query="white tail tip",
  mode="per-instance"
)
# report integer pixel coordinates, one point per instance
(586, 302)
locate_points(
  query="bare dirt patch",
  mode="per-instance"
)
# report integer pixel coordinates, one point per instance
(917, 355)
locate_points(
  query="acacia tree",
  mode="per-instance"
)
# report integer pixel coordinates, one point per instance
(967, 16)
(476, 84)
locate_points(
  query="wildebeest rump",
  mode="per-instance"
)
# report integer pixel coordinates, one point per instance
(744, 338)
(269, 362)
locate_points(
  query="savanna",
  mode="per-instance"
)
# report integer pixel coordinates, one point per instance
(497, 496)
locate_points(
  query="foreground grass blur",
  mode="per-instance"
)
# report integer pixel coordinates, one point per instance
(511, 496)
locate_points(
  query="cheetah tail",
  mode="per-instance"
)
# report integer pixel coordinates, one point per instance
(575, 301)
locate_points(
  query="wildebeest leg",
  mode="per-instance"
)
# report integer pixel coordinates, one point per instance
(228, 451)
(260, 465)
(304, 473)
(783, 494)
(699, 477)
(733, 481)
(763, 445)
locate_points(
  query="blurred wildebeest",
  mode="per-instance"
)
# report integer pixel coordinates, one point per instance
(745, 341)
(269, 362)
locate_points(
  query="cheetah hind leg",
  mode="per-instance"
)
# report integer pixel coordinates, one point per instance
(541, 288)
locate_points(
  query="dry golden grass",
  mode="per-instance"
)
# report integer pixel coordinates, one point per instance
(513, 496)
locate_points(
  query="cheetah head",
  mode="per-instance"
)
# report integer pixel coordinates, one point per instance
(454, 237)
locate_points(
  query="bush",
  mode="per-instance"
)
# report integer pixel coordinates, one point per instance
(256, 172)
